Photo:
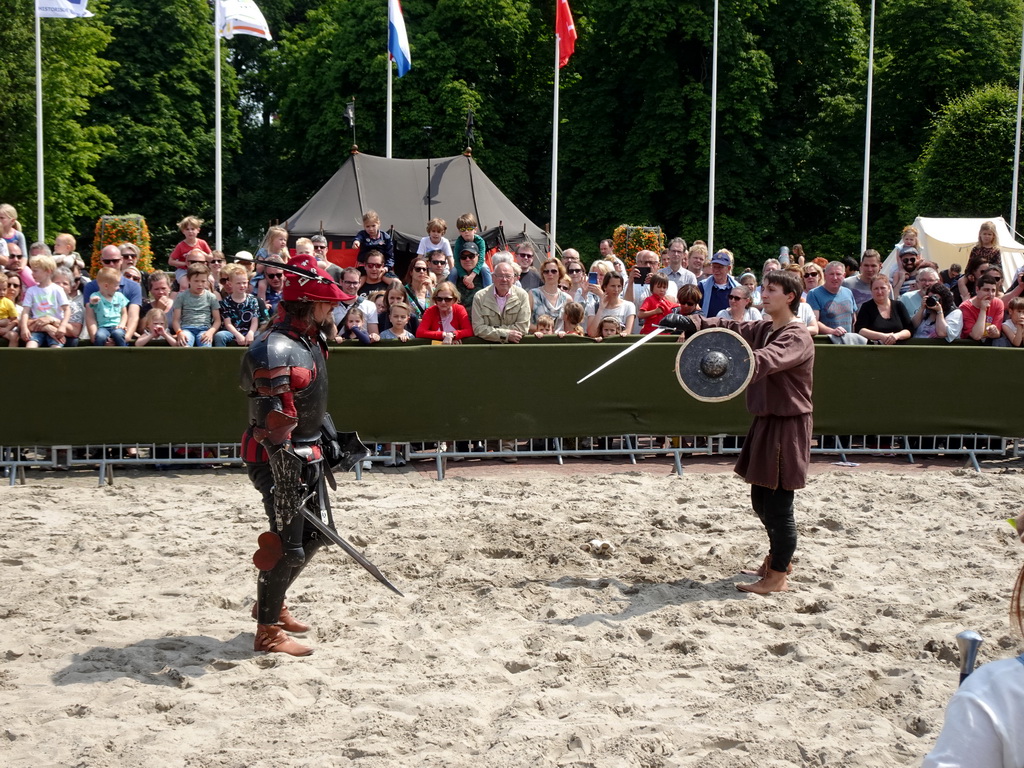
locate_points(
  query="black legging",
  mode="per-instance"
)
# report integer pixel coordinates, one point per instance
(775, 508)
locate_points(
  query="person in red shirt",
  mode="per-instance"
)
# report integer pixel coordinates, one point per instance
(657, 305)
(983, 313)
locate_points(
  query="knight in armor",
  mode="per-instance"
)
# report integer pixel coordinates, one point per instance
(290, 444)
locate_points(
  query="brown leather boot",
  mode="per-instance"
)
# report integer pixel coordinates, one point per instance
(270, 638)
(285, 619)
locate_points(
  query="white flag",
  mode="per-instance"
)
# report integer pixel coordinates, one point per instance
(62, 9)
(241, 17)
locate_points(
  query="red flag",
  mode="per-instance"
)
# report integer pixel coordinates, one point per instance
(566, 31)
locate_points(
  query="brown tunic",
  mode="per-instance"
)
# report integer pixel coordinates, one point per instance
(777, 450)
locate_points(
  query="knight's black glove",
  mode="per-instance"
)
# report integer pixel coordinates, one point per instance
(677, 323)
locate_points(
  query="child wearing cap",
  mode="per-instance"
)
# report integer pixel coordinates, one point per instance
(467, 234)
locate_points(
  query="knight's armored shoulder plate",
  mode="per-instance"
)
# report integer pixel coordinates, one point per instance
(276, 353)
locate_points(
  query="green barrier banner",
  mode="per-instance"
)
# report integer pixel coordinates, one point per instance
(421, 392)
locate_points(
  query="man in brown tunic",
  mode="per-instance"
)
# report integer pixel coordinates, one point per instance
(776, 452)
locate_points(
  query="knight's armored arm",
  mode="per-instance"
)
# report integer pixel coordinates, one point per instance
(274, 419)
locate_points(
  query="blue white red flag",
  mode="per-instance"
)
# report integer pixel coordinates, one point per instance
(241, 17)
(62, 9)
(398, 40)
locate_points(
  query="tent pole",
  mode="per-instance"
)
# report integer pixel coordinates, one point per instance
(867, 136)
(1016, 144)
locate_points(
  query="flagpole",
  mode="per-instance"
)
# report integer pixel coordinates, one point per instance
(387, 151)
(867, 136)
(218, 166)
(1016, 144)
(40, 191)
(554, 156)
(714, 131)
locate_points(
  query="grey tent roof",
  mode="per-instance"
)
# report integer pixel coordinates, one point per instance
(406, 194)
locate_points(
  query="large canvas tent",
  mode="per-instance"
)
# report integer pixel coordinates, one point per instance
(408, 193)
(949, 241)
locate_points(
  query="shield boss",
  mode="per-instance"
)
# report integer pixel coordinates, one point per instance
(714, 364)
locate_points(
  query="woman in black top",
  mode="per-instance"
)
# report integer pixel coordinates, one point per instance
(882, 320)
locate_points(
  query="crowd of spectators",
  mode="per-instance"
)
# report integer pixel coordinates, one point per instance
(454, 289)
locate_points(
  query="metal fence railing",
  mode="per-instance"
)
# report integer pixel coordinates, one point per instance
(14, 460)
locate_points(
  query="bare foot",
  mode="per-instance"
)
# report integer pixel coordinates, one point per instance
(773, 581)
(763, 568)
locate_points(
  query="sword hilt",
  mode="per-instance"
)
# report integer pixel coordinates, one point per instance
(969, 642)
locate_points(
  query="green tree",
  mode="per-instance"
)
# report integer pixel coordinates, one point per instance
(967, 166)
(161, 102)
(929, 52)
(74, 72)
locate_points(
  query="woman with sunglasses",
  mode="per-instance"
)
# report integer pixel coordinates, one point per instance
(549, 298)
(418, 287)
(740, 308)
(813, 276)
(445, 320)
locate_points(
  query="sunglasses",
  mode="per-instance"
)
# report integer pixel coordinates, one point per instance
(466, 229)
(438, 263)
(420, 269)
(105, 261)
(319, 247)
(216, 261)
(574, 271)
(810, 274)
(465, 256)
(549, 271)
(444, 299)
(191, 261)
(525, 255)
(375, 266)
(737, 298)
(135, 278)
(690, 303)
(276, 276)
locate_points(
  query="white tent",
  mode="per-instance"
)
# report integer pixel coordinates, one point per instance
(949, 241)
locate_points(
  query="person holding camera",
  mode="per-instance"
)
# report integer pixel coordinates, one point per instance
(638, 287)
(937, 317)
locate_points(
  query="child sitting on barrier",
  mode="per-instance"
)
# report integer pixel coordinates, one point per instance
(106, 317)
(156, 328)
(178, 259)
(66, 280)
(196, 311)
(46, 311)
(239, 309)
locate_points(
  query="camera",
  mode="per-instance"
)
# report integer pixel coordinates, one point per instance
(931, 302)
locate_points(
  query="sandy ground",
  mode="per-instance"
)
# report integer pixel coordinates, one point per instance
(127, 640)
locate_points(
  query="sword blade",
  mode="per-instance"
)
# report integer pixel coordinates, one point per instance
(623, 353)
(334, 538)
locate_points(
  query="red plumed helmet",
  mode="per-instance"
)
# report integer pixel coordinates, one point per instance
(301, 288)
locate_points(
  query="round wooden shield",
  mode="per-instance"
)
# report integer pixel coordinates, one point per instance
(714, 364)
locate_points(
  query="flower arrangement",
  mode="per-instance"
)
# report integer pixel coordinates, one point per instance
(114, 230)
(628, 240)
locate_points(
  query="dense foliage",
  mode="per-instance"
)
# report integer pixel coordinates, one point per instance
(129, 123)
